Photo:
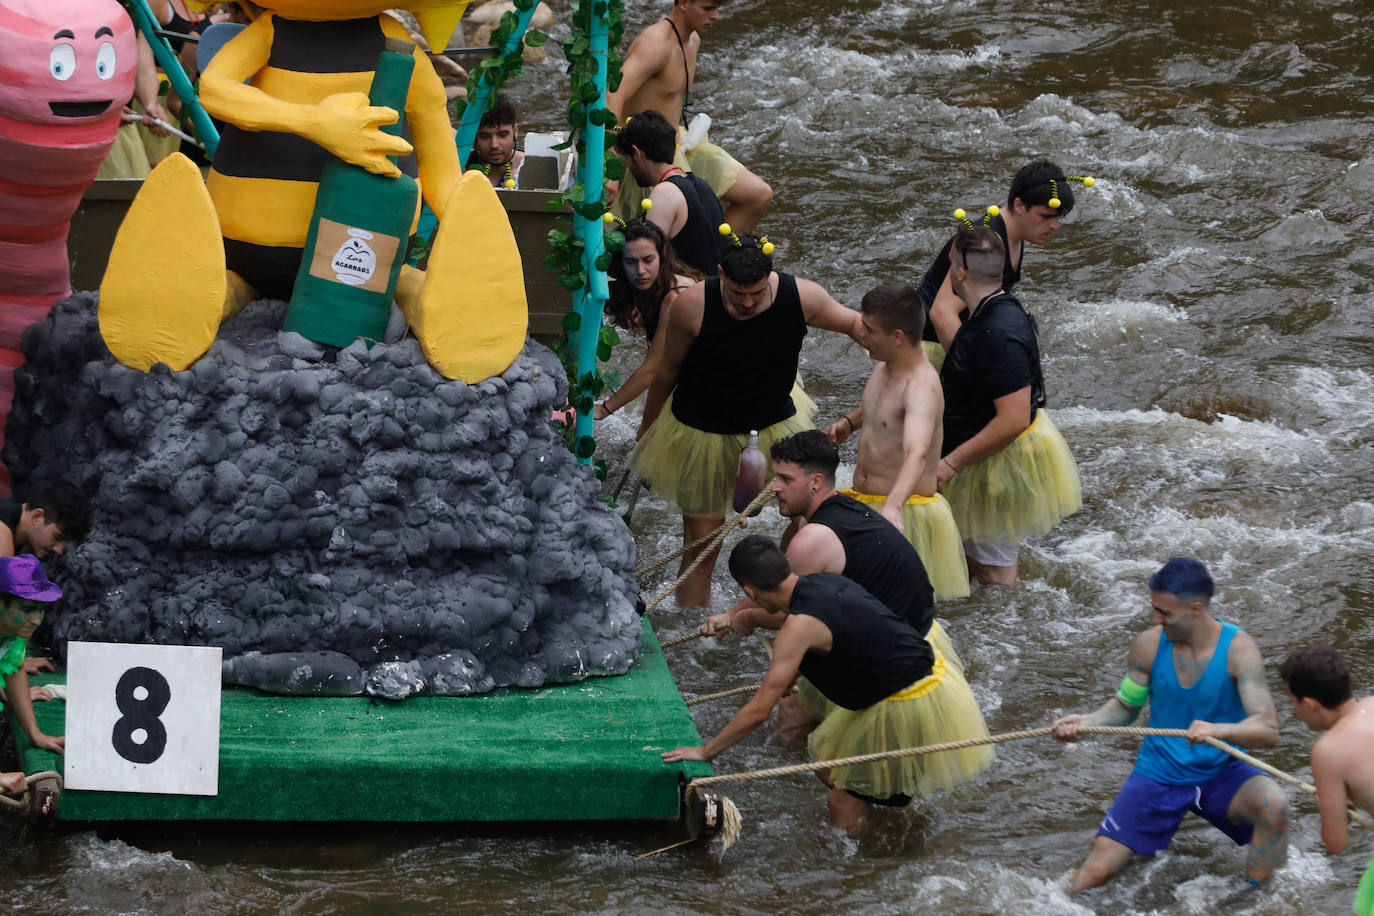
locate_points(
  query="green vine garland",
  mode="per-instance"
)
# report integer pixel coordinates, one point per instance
(495, 71)
(566, 254)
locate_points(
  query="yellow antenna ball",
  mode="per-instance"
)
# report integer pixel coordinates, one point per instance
(646, 205)
(608, 217)
(1053, 203)
(959, 213)
(508, 183)
(725, 229)
(1089, 181)
(994, 210)
(768, 248)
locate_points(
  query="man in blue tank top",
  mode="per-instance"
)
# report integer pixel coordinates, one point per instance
(1205, 676)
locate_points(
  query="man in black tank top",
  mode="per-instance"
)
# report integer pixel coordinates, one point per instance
(729, 362)
(683, 205)
(886, 687)
(1027, 217)
(1005, 469)
(833, 533)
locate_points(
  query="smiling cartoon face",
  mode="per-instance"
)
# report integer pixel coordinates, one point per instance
(65, 63)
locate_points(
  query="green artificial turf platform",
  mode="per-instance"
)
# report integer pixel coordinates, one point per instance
(584, 751)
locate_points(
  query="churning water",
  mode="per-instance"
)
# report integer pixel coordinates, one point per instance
(1205, 319)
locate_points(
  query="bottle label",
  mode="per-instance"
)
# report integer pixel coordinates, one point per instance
(352, 256)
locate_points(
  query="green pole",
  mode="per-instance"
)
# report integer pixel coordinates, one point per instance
(477, 105)
(181, 84)
(591, 299)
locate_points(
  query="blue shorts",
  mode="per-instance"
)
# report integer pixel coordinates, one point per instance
(1146, 813)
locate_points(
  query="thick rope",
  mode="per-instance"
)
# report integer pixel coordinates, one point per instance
(722, 694)
(615, 497)
(688, 637)
(1359, 817)
(22, 803)
(739, 521)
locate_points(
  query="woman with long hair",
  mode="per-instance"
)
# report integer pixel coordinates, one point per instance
(645, 279)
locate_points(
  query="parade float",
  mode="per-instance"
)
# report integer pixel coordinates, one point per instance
(409, 575)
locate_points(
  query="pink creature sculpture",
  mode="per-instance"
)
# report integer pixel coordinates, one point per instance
(67, 70)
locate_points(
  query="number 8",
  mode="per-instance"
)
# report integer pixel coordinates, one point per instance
(141, 714)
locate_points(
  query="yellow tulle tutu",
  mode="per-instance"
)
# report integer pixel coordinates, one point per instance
(929, 526)
(707, 161)
(127, 158)
(815, 703)
(934, 352)
(934, 710)
(1023, 490)
(695, 471)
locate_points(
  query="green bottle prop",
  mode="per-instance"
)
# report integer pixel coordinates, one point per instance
(359, 232)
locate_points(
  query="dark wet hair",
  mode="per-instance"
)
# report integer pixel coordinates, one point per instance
(651, 132)
(745, 263)
(626, 303)
(66, 504)
(896, 307)
(1032, 186)
(1184, 578)
(759, 562)
(501, 112)
(811, 450)
(982, 252)
(1318, 672)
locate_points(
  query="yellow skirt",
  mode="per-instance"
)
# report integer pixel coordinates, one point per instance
(694, 471)
(707, 161)
(930, 527)
(814, 702)
(1023, 490)
(934, 710)
(934, 352)
(127, 158)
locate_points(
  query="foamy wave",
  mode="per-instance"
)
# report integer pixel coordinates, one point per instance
(1090, 326)
(1345, 396)
(1228, 437)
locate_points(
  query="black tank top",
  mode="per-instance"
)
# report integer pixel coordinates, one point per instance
(879, 557)
(738, 375)
(935, 276)
(873, 653)
(697, 243)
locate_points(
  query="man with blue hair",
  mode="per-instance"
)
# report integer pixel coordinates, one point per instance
(1206, 676)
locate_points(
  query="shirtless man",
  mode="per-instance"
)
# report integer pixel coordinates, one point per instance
(657, 75)
(1343, 758)
(494, 152)
(899, 448)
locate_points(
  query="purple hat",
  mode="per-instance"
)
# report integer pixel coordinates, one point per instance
(23, 576)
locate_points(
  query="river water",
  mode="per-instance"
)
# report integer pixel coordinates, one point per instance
(1204, 316)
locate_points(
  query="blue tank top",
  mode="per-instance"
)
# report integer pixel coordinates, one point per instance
(1214, 698)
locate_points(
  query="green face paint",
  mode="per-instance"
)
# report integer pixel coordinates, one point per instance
(19, 613)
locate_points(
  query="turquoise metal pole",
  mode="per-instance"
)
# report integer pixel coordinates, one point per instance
(591, 300)
(181, 84)
(477, 105)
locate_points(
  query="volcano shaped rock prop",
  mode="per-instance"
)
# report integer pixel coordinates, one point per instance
(336, 520)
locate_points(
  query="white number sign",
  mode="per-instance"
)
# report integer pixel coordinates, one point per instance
(142, 718)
